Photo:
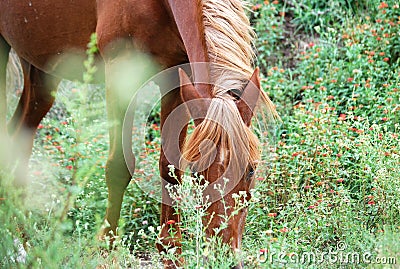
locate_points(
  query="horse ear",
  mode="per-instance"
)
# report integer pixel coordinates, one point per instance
(249, 98)
(196, 105)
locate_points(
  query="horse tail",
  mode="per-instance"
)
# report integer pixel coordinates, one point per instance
(4, 55)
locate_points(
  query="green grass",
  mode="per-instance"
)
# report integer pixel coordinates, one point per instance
(331, 181)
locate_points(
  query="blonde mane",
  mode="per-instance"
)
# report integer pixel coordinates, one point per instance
(224, 128)
(229, 38)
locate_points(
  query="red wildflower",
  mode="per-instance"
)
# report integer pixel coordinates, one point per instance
(383, 5)
(37, 173)
(256, 7)
(170, 222)
(272, 214)
(342, 116)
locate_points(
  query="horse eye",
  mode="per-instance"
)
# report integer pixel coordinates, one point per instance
(251, 172)
(236, 93)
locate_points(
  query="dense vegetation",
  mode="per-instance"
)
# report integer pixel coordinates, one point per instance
(329, 182)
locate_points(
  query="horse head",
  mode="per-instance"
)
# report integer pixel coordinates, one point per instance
(224, 150)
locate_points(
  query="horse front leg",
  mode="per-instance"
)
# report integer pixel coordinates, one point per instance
(117, 179)
(170, 235)
(117, 174)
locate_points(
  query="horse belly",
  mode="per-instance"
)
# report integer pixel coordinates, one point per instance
(43, 32)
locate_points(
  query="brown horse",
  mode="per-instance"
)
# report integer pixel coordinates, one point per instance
(221, 98)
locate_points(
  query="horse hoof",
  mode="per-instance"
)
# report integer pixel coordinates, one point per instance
(169, 265)
(107, 236)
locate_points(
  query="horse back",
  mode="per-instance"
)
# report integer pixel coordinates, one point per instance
(46, 33)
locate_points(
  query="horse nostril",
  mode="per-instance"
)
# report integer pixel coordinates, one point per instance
(239, 266)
